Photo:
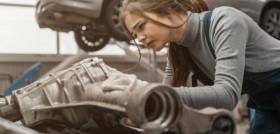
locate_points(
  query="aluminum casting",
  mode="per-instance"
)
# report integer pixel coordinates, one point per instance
(92, 91)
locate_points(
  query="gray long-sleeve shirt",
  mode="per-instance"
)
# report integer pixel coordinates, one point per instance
(239, 44)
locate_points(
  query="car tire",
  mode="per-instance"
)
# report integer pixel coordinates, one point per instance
(88, 41)
(111, 17)
(270, 22)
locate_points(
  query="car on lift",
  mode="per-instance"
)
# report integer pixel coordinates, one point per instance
(265, 12)
(93, 22)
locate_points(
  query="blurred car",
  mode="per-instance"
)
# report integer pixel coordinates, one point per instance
(265, 12)
(93, 21)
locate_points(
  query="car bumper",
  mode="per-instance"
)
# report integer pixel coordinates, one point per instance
(71, 13)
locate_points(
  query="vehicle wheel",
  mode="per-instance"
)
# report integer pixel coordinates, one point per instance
(89, 41)
(271, 22)
(112, 20)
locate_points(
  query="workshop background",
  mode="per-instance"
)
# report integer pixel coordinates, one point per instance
(33, 45)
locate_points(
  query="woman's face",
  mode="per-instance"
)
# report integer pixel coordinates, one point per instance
(152, 35)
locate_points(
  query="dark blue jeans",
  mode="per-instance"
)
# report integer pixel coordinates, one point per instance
(265, 122)
(263, 90)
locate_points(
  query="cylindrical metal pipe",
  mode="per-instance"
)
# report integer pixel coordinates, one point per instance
(224, 125)
(157, 104)
(10, 112)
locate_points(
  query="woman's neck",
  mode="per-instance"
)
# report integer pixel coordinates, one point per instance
(178, 33)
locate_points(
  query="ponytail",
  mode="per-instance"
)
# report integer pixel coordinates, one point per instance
(199, 6)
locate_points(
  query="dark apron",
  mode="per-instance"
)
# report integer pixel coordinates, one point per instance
(263, 90)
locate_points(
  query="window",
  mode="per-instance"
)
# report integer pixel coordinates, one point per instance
(20, 33)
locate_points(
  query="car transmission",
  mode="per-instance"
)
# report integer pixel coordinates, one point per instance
(90, 93)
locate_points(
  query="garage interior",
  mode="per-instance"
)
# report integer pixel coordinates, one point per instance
(33, 47)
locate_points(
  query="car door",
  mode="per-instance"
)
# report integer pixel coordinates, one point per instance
(252, 8)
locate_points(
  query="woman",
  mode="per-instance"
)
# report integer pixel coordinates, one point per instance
(244, 58)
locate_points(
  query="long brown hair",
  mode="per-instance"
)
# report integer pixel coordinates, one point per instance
(179, 58)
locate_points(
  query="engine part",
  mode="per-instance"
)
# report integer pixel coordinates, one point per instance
(3, 102)
(8, 127)
(92, 90)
